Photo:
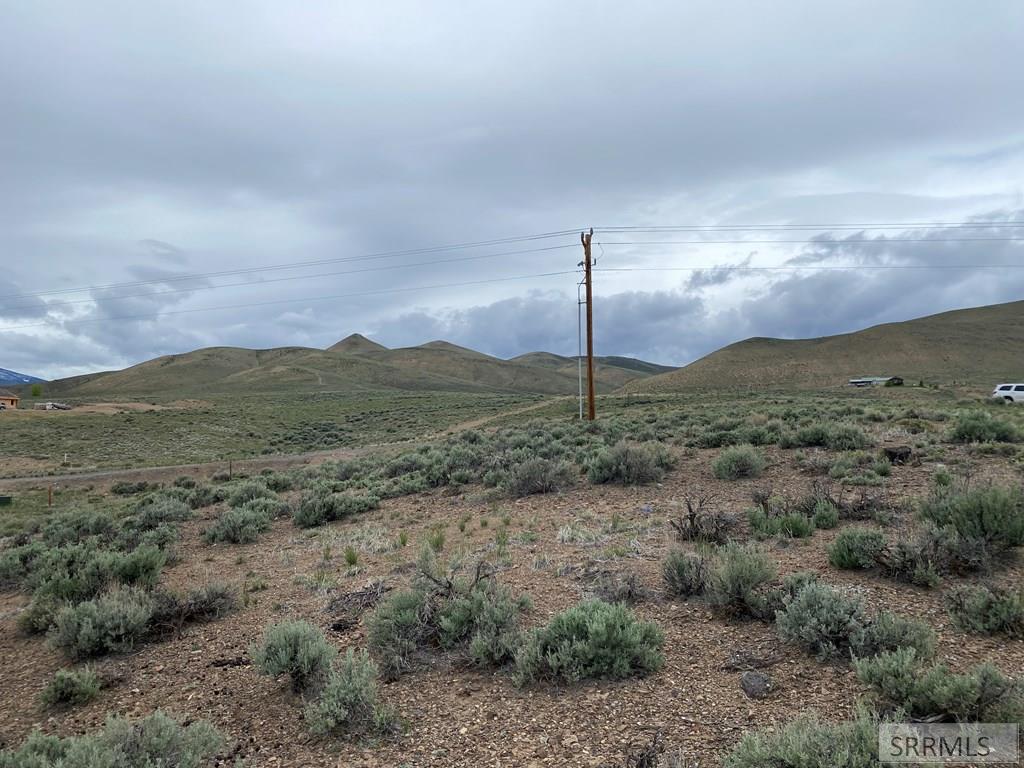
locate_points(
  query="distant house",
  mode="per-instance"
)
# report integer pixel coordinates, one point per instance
(876, 381)
(8, 400)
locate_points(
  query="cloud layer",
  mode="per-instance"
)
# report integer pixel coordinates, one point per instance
(146, 143)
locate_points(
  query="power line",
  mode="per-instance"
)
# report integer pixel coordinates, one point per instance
(298, 264)
(877, 241)
(51, 304)
(153, 315)
(799, 227)
(816, 268)
(526, 238)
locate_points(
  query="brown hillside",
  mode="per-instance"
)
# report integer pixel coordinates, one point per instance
(979, 345)
(356, 344)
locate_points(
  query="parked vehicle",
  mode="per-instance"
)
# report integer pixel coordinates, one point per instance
(1011, 393)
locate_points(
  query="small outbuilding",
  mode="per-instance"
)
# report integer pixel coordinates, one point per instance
(8, 400)
(876, 381)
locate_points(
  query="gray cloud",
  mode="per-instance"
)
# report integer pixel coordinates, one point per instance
(154, 140)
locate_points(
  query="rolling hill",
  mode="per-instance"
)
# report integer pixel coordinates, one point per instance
(981, 345)
(354, 364)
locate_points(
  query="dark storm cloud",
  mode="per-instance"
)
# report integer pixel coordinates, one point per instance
(195, 137)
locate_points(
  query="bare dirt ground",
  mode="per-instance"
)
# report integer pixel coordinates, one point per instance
(456, 716)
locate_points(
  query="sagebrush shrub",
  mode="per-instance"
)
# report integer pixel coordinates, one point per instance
(154, 511)
(397, 629)
(295, 648)
(172, 611)
(737, 462)
(113, 622)
(238, 525)
(809, 743)
(248, 491)
(993, 514)
(349, 702)
(593, 639)
(684, 574)
(846, 437)
(630, 464)
(481, 616)
(536, 475)
(793, 524)
(486, 619)
(71, 687)
(156, 740)
(319, 506)
(737, 574)
(830, 624)
(856, 548)
(821, 620)
(983, 427)
(987, 610)
(983, 694)
(825, 514)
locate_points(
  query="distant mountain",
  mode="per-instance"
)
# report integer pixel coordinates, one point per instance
(982, 345)
(355, 344)
(15, 379)
(354, 364)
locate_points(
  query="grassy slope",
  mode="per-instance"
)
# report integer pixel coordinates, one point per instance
(980, 345)
(354, 365)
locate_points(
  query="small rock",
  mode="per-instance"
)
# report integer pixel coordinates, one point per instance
(755, 684)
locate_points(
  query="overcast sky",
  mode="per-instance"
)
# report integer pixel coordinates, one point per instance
(150, 142)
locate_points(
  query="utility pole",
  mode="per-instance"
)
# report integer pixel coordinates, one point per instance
(585, 238)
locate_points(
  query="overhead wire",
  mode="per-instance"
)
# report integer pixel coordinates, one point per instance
(272, 280)
(357, 294)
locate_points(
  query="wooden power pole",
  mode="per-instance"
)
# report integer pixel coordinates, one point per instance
(585, 238)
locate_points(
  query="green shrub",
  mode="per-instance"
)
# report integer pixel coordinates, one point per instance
(830, 624)
(846, 437)
(239, 525)
(486, 619)
(128, 488)
(992, 514)
(737, 462)
(349, 702)
(890, 632)
(983, 694)
(794, 525)
(808, 743)
(113, 622)
(536, 475)
(397, 629)
(856, 548)
(826, 515)
(836, 437)
(295, 648)
(630, 464)
(983, 427)
(481, 616)
(820, 620)
(987, 610)
(156, 740)
(154, 511)
(593, 639)
(736, 577)
(248, 491)
(319, 506)
(684, 574)
(71, 687)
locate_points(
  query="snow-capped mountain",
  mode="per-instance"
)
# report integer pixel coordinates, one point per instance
(15, 379)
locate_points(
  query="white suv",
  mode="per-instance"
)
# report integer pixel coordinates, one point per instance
(1011, 393)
